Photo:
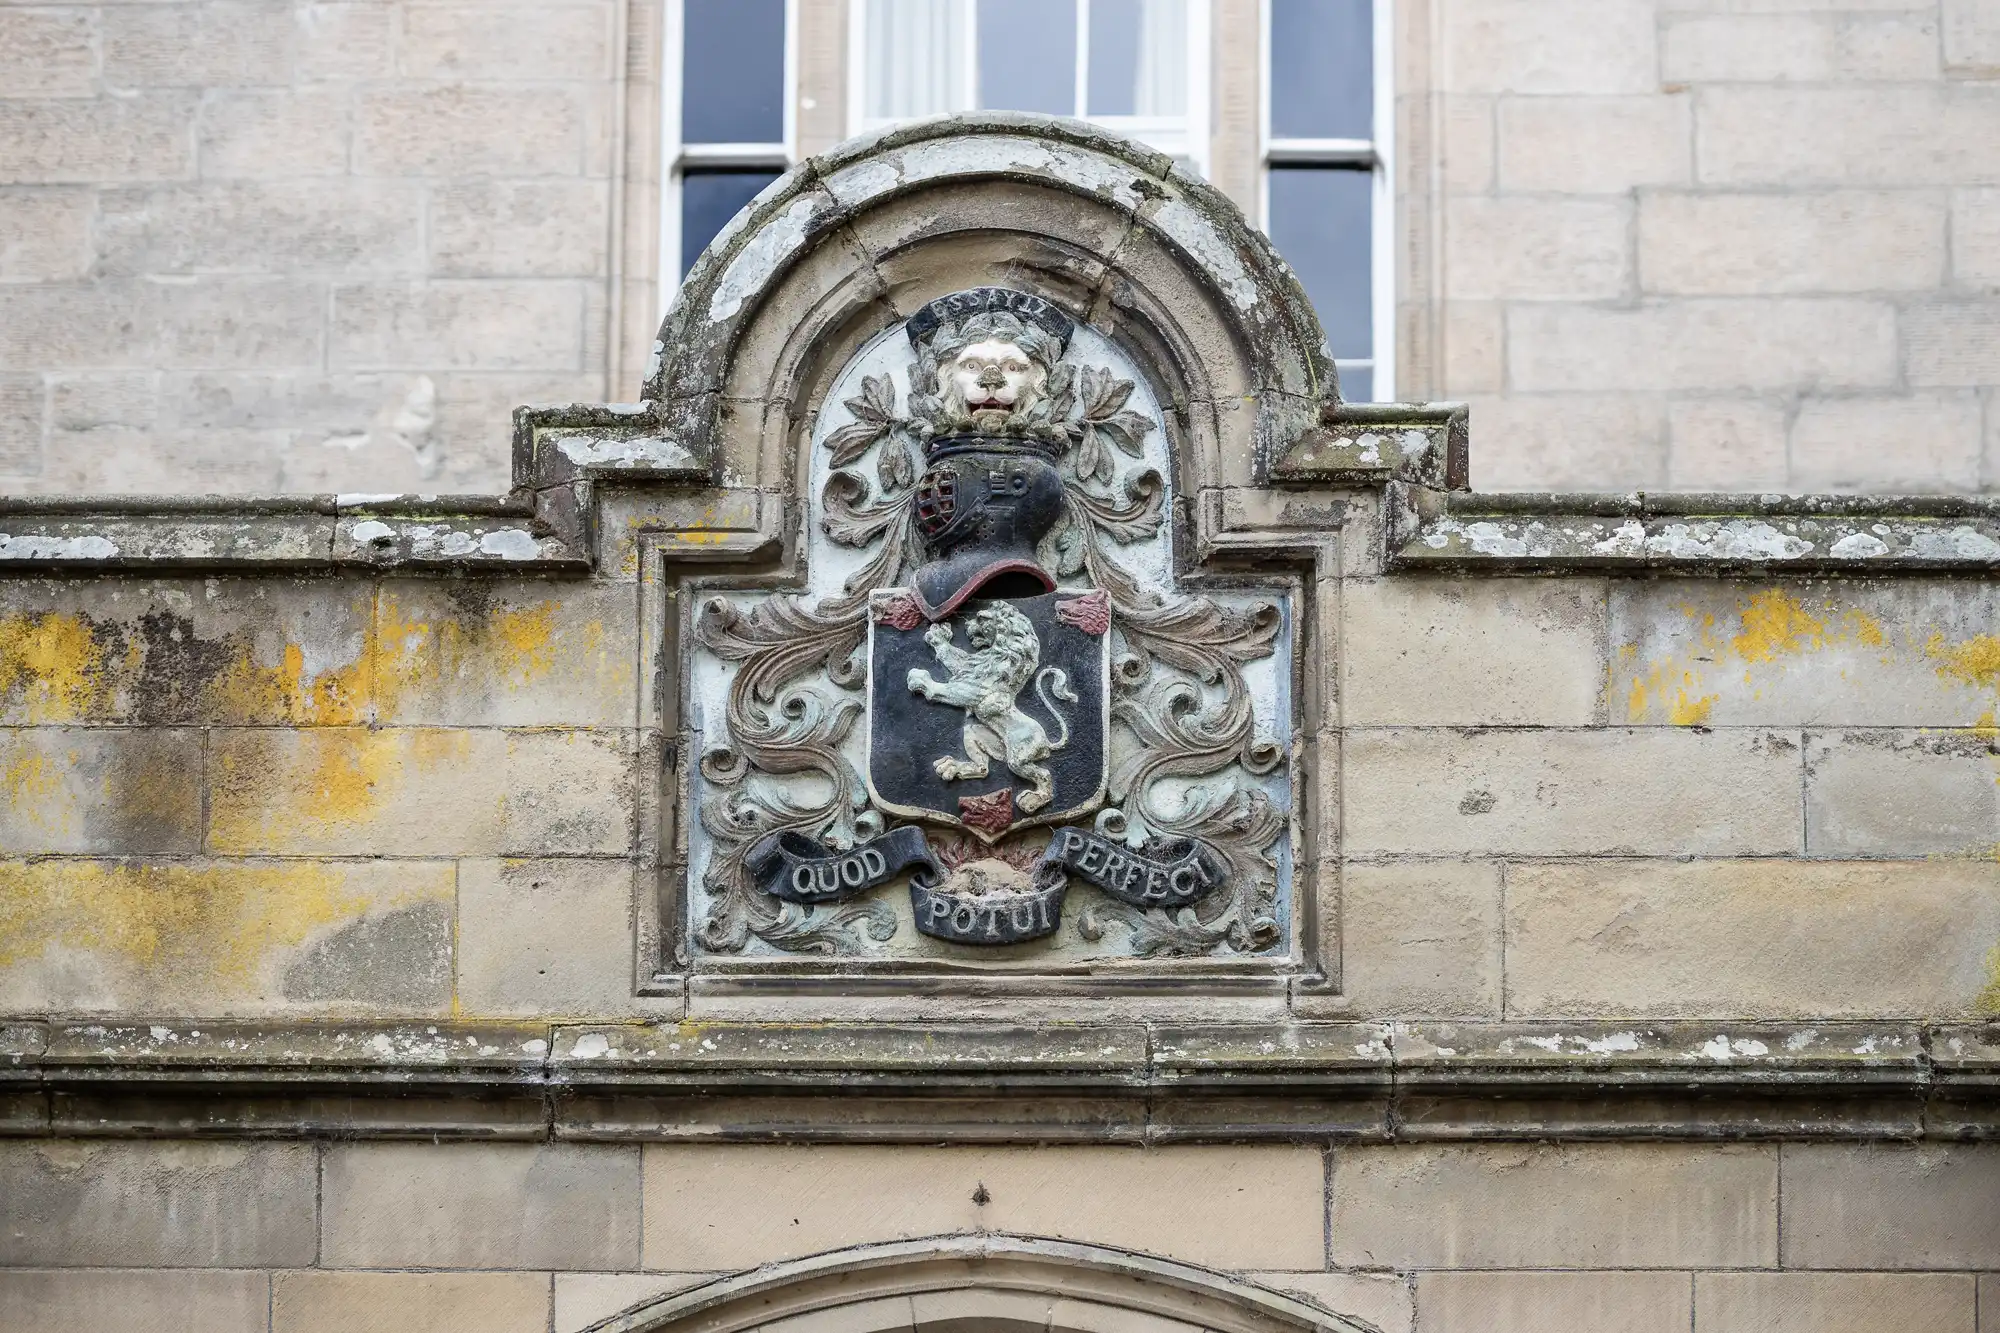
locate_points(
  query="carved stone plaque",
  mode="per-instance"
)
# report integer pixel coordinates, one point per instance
(993, 716)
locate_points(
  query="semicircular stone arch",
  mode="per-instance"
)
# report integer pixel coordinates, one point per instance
(979, 1284)
(847, 245)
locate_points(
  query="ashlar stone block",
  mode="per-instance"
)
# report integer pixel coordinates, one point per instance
(734, 1206)
(1538, 1302)
(546, 938)
(1421, 939)
(1702, 244)
(1892, 1206)
(225, 937)
(49, 52)
(1551, 793)
(1768, 939)
(133, 1300)
(1834, 1302)
(1420, 652)
(513, 655)
(92, 789)
(324, 1302)
(158, 1204)
(1909, 653)
(481, 1206)
(1915, 443)
(1905, 793)
(1572, 1207)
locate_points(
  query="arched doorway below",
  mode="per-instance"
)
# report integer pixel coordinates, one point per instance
(978, 1284)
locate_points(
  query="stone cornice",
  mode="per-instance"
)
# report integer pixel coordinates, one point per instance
(858, 1082)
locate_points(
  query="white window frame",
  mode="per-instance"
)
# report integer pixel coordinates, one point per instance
(1195, 124)
(1378, 154)
(676, 156)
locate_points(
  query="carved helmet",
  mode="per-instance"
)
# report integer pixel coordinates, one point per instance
(985, 501)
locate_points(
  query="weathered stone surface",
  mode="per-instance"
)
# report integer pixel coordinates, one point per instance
(225, 323)
(1418, 652)
(75, 789)
(1643, 791)
(405, 791)
(1624, 1206)
(1764, 343)
(52, 49)
(1770, 938)
(45, 233)
(1595, 145)
(547, 937)
(147, 137)
(185, 652)
(511, 655)
(133, 1300)
(1727, 442)
(1892, 1206)
(225, 937)
(1893, 793)
(480, 1206)
(197, 45)
(1833, 1302)
(1540, 249)
(1954, 342)
(1697, 244)
(518, 131)
(1799, 47)
(1521, 46)
(317, 1302)
(1870, 134)
(1536, 1302)
(157, 1204)
(736, 1206)
(570, 792)
(457, 326)
(1906, 654)
(346, 226)
(1382, 1299)
(1569, 440)
(581, 1299)
(509, 229)
(561, 42)
(1920, 442)
(1421, 938)
(251, 134)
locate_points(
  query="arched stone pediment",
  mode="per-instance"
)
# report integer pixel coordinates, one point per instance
(846, 245)
(980, 1284)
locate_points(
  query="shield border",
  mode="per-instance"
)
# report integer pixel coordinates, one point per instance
(1040, 817)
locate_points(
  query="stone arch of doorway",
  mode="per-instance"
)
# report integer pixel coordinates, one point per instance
(979, 1284)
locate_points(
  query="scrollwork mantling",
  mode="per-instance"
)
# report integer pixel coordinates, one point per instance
(1178, 689)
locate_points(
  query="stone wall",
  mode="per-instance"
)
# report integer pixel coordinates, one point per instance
(1650, 1238)
(265, 247)
(1689, 244)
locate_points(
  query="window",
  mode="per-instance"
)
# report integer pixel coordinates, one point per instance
(728, 133)
(1327, 201)
(1136, 67)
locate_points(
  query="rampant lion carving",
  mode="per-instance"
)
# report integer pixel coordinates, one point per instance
(986, 682)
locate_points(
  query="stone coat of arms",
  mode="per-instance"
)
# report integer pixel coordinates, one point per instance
(993, 706)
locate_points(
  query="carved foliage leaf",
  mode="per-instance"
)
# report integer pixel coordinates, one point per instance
(874, 410)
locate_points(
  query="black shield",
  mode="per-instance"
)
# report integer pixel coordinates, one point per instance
(1020, 679)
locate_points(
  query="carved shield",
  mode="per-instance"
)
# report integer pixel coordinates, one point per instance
(993, 719)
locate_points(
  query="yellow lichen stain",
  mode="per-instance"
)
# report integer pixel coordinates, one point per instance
(254, 691)
(52, 668)
(197, 923)
(316, 787)
(1987, 1003)
(32, 789)
(1975, 661)
(1686, 712)
(513, 645)
(1771, 625)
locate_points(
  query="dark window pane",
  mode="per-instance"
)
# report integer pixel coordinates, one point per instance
(1114, 57)
(1320, 224)
(1322, 69)
(733, 71)
(1357, 384)
(708, 200)
(1027, 56)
